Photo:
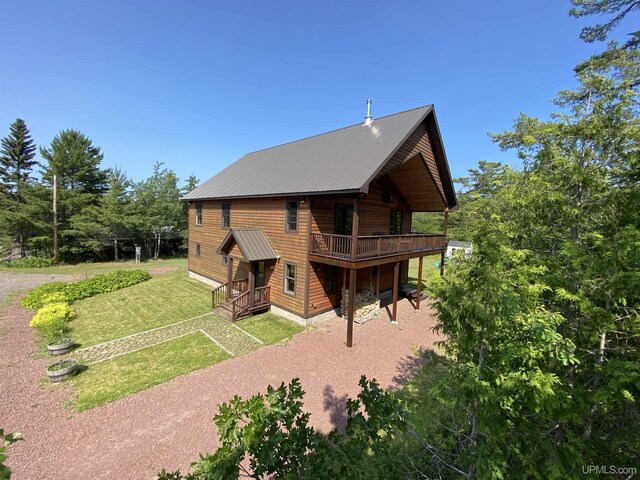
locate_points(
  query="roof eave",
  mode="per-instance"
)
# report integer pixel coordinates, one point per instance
(275, 195)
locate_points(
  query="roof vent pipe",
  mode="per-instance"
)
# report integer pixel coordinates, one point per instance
(368, 120)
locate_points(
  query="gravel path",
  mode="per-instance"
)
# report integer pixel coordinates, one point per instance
(15, 282)
(168, 425)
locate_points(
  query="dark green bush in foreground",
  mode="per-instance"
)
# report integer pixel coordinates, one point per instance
(108, 282)
(28, 262)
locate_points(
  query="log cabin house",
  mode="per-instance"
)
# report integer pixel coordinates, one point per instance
(300, 226)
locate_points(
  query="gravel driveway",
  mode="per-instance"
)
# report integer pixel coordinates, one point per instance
(168, 425)
(14, 282)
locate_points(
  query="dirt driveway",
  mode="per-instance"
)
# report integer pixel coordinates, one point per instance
(168, 425)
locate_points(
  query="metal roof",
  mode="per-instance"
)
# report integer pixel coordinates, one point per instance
(252, 242)
(343, 160)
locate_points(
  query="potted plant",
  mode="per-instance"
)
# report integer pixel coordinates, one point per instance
(60, 346)
(62, 370)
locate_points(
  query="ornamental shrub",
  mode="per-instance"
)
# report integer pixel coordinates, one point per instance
(71, 291)
(29, 262)
(52, 321)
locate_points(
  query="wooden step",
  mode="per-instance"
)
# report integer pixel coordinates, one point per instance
(224, 311)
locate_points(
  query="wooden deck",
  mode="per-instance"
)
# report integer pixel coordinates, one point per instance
(367, 248)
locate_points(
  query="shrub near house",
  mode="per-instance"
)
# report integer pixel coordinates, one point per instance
(109, 282)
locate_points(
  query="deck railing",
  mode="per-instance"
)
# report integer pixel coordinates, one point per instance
(367, 247)
(221, 294)
(240, 301)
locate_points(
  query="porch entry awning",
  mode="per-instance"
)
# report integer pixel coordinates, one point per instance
(252, 242)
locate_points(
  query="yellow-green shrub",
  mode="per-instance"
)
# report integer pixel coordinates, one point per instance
(55, 297)
(52, 320)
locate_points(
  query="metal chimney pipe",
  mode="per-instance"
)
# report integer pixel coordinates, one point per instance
(368, 120)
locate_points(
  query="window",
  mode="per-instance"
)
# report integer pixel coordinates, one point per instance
(395, 222)
(290, 278)
(292, 215)
(225, 260)
(226, 215)
(197, 249)
(198, 214)
(330, 279)
(343, 219)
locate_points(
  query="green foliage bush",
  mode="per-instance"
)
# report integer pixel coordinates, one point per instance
(6, 439)
(29, 262)
(269, 436)
(52, 321)
(71, 291)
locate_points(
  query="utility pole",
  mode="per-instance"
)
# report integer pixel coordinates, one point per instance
(55, 220)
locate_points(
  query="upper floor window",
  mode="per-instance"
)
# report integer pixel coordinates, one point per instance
(226, 215)
(290, 278)
(395, 222)
(198, 214)
(292, 215)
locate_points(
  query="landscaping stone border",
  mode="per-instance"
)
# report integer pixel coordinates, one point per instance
(229, 337)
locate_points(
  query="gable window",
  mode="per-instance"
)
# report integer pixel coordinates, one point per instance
(226, 215)
(197, 249)
(292, 215)
(290, 278)
(395, 222)
(198, 214)
(330, 279)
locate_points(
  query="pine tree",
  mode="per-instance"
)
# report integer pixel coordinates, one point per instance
(75, 161)
(16, 158)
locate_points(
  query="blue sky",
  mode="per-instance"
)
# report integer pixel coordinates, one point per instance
(196, 84)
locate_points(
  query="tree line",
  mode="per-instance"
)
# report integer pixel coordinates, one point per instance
(101, 213)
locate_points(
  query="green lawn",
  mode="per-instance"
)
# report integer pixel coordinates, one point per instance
(269, 328)
(122, 376)
(90, 269)
(166, 298)
(428, 270)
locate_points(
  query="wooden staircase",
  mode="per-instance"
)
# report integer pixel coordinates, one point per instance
(238, 301)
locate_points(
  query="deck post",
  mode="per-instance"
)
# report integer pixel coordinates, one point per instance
(252, 286)
(446, 222)
(444, 229)
(229, 277)
(396, 279)
(378, 280)
(419, 297)
(351, 306)
(355, 224)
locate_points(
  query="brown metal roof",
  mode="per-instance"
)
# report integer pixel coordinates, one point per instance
(252, 243)
(344, 160)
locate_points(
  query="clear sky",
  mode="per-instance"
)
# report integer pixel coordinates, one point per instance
(197, 84)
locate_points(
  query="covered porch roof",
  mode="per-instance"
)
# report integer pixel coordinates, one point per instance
(417, 184)
(252, 244)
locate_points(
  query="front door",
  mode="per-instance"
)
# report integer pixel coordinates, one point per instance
(258, 272)
(342, 219)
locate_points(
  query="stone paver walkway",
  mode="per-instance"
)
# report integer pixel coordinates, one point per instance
(229, 337)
